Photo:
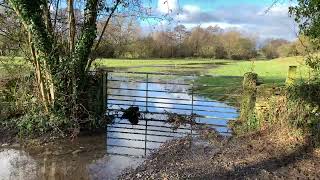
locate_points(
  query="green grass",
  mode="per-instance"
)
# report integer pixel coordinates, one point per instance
(139, 62)
(13, 67)
(229, 77)
(160, 65)
(269, 71)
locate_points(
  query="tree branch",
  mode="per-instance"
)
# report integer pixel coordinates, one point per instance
(56, 15)
(101, 35)
(106, 24)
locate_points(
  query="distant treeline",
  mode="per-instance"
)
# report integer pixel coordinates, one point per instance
(125, 41)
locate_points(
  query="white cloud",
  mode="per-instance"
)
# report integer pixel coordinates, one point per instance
(188, 11)
(280, 10)
(220, 24)
(249, 18)
(167, 6)
(246, 17)
(191, 8)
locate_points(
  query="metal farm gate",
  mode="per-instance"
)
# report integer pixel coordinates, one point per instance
(157, 96)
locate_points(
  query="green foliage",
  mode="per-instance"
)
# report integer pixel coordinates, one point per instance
(306, 14)
(307, 94)
(251, 124)
(209, 42)
(16, 98)
(31, 15)
(21, 110)
(304, 108)
(37, 123)
(270, 50)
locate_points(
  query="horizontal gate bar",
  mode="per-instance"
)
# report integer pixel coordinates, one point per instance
(171, 92)
(178, 99)
(179, 128)
(123, 154)
(141, 140)
(166, 83)
(161, 113)
(201, 110)
(160, 135)
(169, 127)
(150, 82)
(152, 73)
(166, 74)
(179, 104)
(154, 130)
(129, 147)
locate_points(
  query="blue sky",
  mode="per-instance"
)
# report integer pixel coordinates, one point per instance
(248, 16)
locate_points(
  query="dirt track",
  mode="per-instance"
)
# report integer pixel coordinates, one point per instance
(266, 155)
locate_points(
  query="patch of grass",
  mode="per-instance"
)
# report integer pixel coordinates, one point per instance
(161, 65)
(269, 71)
(226, 75)
(229, 77)
(223, 88)
(11, 67)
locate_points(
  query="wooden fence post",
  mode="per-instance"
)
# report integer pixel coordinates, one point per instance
(292, 72)
(249, 96)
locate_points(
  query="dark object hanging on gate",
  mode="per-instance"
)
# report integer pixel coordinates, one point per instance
(132, 114)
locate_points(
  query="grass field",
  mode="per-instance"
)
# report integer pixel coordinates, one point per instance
(270, 71)
(226, 74)
(195, 66)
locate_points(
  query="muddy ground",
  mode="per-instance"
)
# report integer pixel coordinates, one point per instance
(271, 154)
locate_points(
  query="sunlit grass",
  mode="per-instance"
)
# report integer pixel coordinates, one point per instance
(269, 71)
(13, 66)
(194, 62)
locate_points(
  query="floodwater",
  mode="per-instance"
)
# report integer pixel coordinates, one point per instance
(124, 145)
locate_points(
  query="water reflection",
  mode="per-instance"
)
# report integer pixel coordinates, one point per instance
(16, 164)
(155, 99)
(86, 158)
(101, 157)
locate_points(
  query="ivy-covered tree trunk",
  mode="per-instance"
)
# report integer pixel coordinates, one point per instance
(34, 16)
(61, 79)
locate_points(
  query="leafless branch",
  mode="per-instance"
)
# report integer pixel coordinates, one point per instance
(271, 6)
(102, 33)
(56, 14)
(106, 24)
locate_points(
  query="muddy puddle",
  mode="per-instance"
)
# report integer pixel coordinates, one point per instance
(124, 145)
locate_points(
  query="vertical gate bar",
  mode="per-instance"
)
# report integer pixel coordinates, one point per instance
(192, 100)
(104, 90)
(147, 89)
(107, 79)
(146, 129)
(105, 98)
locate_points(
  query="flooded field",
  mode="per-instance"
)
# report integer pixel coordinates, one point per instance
(123, 145)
